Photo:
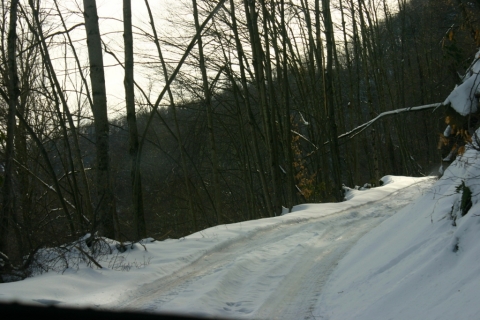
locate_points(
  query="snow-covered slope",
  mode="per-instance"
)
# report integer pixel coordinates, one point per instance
(417, 264)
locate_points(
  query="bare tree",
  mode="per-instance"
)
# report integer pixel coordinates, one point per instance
(208, 105)
(329, 99)
(8, 206)
(179, 138)
(106, 205)
(139, 218)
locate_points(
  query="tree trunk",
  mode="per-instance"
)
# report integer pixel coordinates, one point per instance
(251, 118)
(286, 101)
(329, 101)
(208, 105)
(259, 70)
(77, 153)
(138, 214)
(269, 107)
(8, 205)
(105, 206)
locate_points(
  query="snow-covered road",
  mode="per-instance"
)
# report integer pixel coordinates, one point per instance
(276, 273)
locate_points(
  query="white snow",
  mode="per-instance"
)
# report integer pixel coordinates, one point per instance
(448, 131)
(386, 253)
(462, 98)
(415, 265)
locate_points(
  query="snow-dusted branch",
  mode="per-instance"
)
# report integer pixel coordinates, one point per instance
(352, 133)
(304, 138)
(46, 185)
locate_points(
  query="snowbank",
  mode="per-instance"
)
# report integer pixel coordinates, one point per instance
(416, 264)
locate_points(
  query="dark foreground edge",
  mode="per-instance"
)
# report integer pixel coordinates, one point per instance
(20, 311)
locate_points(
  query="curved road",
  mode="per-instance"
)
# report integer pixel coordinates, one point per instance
(275, 274)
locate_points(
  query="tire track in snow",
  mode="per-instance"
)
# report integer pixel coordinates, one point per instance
(275, 274)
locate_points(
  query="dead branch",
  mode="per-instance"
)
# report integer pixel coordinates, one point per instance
(89, 257)
(352, 133)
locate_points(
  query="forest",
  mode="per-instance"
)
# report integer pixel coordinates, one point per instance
(246, 109)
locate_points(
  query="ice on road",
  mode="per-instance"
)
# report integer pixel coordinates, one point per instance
(277, 273)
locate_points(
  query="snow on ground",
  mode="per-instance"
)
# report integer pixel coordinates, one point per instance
(417, 264)
(274, 273)
(266, 268)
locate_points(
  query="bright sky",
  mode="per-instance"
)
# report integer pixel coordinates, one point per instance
(111, 27)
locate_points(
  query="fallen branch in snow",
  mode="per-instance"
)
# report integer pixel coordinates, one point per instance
(164, 236)
(89, 257)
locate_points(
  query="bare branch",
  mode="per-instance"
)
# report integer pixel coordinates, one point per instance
(352, 133)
